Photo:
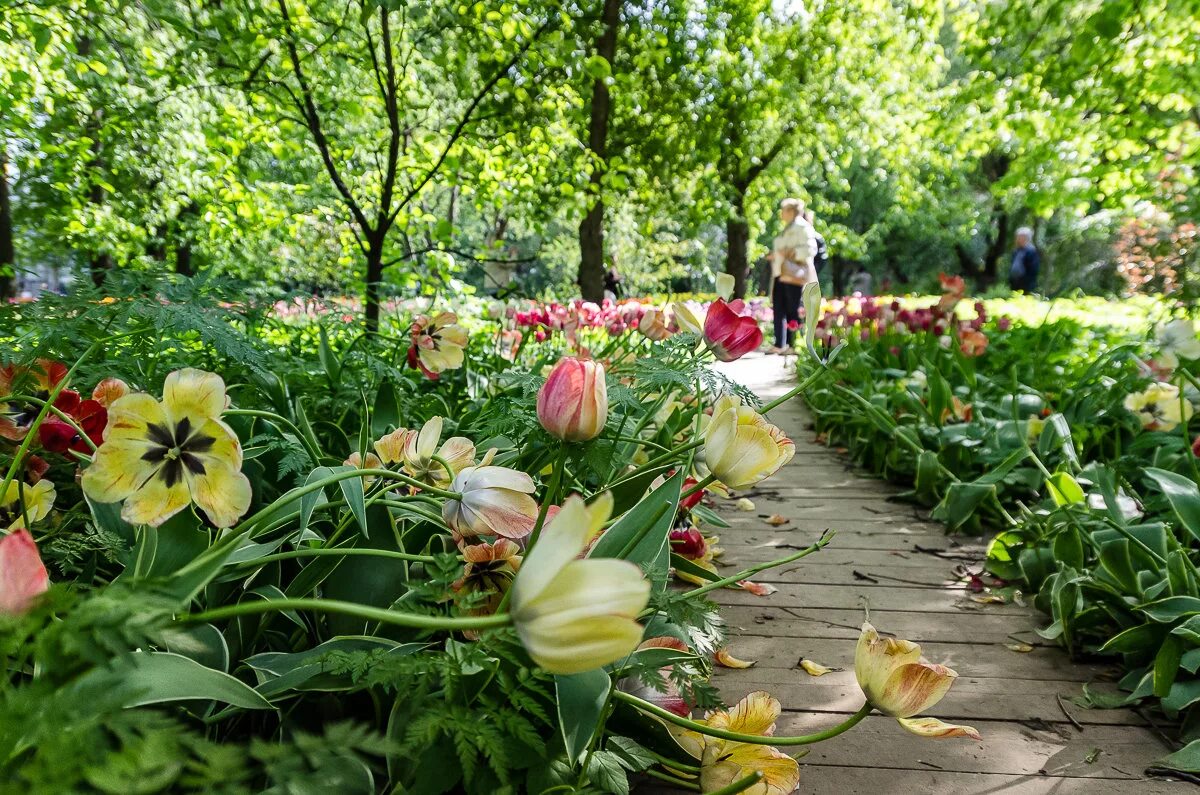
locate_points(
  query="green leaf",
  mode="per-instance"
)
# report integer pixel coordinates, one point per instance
(640, 536)
(158, 677)
(1171, 609)
(597, 67)
(329, 359)
(352, 490)
(606, 770)
(1064, 489)
(1166, 665)
(385, 416)
(581, 700)
(1135, 639)
(1183, 495)
(688, 567)
(1185, 760)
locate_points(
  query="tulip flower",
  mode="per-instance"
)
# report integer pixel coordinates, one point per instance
(1159, 407)
(23, 577)
(723, 762)
(109, 391)
(489, 569)
(653, 325)
(899, 683)
(39, 380)
(953, 290)
(572, 614)
(741, 447)
(973, 343)
(418, 451)
(685, 319)
(729, 335)
(495, 502)
(573, 403)
(59, 436)
(437, 344)
(159, 456)
(725, 285)
(24, 504)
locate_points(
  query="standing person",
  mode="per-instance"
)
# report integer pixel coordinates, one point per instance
(612, 282)
(860, 281)
(1026, 262)
(792, 267)
(822, 254)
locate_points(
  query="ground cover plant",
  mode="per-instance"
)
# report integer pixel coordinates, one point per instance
(1068, 429)
(243, 552)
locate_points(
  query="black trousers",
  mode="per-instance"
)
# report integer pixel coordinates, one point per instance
(785, 306)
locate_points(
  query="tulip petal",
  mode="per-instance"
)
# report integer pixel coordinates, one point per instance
(585, 588)
(876, 657)
(561, 541)
(155, 502)
(754, 714)
(23, 576)
(727, 660)
(118, 470)
(725, 763)
(500, 512)
(579, 646)
(932, 727)
(222, 492)
(913, 688)
(192, 393)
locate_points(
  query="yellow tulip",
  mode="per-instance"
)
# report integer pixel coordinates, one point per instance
(741, 447)
(1159, 407)
(418, 451)
(572, 614)
(899, 683)
(723, 762)
(22, 504)
(159, 456)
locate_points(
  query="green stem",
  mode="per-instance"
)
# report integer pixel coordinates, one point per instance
(701, 486)
(741, 785)
(666, 762)
(667, 456)
(673, 781)
(738, 737)
(392, 617)
(826, 537)
(641, 441)
(551, 495)
(291, 426)
(56, 412)
(791, 393)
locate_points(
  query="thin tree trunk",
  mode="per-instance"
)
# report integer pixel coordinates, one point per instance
(591, 228)
(737, 239)
(183, 241)
(374, 277)
(8, 258)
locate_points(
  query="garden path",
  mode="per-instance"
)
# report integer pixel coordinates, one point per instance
(889, 558)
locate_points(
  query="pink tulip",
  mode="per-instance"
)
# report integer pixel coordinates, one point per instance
(573, 403)
(23, 578)
(729, 335)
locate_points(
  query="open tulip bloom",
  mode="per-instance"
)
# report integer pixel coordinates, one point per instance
(899, 683)
(741, 447)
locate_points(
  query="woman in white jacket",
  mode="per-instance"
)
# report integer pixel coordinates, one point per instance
(791, 268)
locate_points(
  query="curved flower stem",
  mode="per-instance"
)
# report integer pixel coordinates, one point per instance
(284, 421)
(383, 616)
(791, 393)
(737, 737)
(334, 551)
(674, 781)
(641, 441)
(667, 456)
(665, 762)
(701, 486)
(825, 538)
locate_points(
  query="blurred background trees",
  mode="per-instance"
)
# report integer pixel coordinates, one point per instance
(377, 147)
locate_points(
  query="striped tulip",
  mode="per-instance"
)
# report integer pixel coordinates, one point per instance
(573, 403)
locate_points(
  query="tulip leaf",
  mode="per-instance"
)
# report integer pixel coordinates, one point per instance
(309, 502)
(640, 536)
(628, 491)
(159, 677)
(352, 490)
(1064, 490)
(581, 699)
(1167, 610)
(1183, 495)
(386, 414)
(1185, 760)
(686, 566)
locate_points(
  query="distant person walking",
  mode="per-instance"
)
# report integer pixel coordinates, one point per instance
(860, 281)
(792, 256)
(612, 283)
(1026, 262)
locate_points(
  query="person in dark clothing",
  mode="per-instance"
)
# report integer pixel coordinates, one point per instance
(612, 282)
(822, 255)
(1026, 262)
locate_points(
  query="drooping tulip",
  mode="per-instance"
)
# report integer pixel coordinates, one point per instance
(741, 447)
(573, 403)
(573, 614)
(729, 335)
(495, 501)
(159, 456)
(899, 683)
(1158, 407)
(23, 576)
(23, 504)
(653, 325)
(685, 319)
(437, 344)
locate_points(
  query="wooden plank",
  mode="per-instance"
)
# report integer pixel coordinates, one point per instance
(866, 560)
(855, 596)
(971, 698)
(1006, 748)
(800, 622)
(856, 780)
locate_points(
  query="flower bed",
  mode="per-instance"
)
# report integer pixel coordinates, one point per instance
(271, 553)
(1071, 440)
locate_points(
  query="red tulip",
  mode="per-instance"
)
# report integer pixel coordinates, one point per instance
(573, 403)
(23, 578)
(729, 335)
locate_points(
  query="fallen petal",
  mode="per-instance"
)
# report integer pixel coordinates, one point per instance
(758, 588)
(1023, 648)
(813, 668)
(727, 660)
(745, 504)
(932, 727)
(776, 520)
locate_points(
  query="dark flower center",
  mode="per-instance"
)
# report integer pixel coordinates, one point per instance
(176, 449)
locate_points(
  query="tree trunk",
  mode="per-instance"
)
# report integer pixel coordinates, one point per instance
(8, 258)
(374, 277)
(737, 239)
(591, 228)
(183, 241)
(991, 257)
(837, 274)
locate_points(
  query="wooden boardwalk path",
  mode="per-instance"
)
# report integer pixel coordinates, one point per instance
(888, 558)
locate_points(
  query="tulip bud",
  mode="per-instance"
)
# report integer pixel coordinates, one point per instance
(573, 403)
(23, 577)
(729, 335)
